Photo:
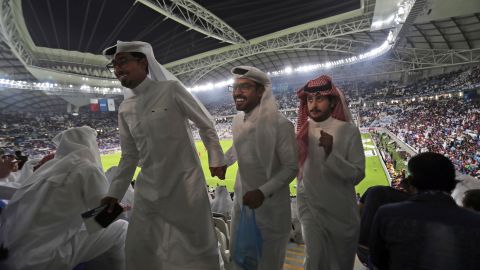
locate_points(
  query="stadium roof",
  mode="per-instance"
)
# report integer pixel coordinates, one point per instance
(60, 40)
(91, 26)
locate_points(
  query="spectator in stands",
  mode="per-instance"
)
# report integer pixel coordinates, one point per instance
(10, 166)
(21, 159)
(171, 225)
(42, 226)
(222, 203)
(372, 199)
(471, 200)
(7, 184)
(464, 183)
(7, 164)
(264, 145)
(332, 162)
(429, 231)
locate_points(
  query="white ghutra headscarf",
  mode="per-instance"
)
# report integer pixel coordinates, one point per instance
(156, 71)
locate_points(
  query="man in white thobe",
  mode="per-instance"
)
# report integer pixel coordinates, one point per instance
(222, 203)
(264, 146)
(42, 226)
(332, 162)
(171, 226)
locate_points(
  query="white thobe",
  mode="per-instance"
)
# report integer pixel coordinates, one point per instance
(171, 225)
(127, 200)
(53, 237)
(222, 203)
(273, 216)
(326, 196)
(296, 232)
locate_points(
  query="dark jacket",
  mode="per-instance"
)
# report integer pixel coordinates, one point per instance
(429, 231)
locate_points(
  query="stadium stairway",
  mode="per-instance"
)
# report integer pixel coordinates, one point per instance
(294, 257)
(296, 254)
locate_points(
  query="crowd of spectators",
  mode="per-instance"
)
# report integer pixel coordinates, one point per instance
(385, 90)
(32, 133)
(449, 126)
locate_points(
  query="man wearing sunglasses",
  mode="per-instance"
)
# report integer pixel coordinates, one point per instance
(264, 146)
(171, 225)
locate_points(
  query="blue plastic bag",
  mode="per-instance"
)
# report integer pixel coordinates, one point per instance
(248, 244)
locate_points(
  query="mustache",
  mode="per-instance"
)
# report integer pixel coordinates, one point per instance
(315, 110)
(240, 96)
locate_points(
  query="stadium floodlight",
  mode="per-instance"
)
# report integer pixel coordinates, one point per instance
(55, 87)
(210, 86)
(373, 53)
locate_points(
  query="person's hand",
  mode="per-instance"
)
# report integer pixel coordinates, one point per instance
(218, 172)
(326, 141)
(6, 165)
(110, 201)
(253, 199)
(44, 160)
(126, 207)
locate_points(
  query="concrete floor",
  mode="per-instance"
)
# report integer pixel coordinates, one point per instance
(295, 256)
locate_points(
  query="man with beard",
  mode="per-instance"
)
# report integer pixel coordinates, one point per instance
(331, 163)
(264, 145)
(171, 225)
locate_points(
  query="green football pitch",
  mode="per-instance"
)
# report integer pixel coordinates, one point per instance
(374, 171)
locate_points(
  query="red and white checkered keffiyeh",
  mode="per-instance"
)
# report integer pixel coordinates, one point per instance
(320, 86)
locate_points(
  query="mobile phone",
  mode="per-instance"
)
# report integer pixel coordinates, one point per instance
(104, 218)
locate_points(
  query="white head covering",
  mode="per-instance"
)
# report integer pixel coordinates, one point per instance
(267, 115)
(156, 71)
(80, 142)
(74, 145)
(465, 182)
(223, 202)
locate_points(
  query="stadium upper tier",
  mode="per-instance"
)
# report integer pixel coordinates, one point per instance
(220, 103)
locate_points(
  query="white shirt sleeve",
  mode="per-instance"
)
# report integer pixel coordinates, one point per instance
(195, 111)
(231, 156)
(287, 153)
(128, 162)
(352, 167)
